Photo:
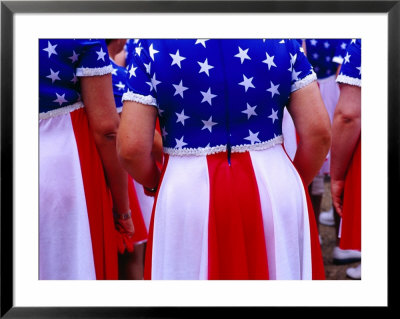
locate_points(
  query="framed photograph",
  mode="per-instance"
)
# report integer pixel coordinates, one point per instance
(23, 23)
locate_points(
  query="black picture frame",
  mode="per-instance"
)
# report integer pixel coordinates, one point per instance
(9, 8)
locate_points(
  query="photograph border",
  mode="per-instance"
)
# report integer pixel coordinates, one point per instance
(9, 8)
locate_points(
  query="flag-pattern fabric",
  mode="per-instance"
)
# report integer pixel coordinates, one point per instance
(214, 95)
(350, 72)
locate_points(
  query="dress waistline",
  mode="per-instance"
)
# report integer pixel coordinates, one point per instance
(203, 151)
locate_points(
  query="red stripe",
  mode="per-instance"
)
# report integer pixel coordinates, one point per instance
(236, 244)
(98, 200)
(318, 271)
(351, 219)
(149, 246)
(137, 217)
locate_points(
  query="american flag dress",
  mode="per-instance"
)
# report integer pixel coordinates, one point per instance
(350, 230)
(76, 228)
(230, 203)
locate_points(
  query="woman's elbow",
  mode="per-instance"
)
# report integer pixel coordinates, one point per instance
(129, 152)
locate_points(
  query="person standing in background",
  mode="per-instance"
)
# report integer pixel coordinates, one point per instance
(81, 183)
(346, 154)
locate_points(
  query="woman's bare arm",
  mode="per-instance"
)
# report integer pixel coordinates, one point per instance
(135, 143)
(346, 130)
(103, 120)
(312, 125)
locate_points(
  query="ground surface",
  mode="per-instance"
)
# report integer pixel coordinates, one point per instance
(332, 272)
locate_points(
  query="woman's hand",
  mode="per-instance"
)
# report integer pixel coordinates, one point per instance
(126, 230)
(337, 188)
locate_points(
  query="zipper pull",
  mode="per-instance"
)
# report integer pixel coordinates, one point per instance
(228, 151)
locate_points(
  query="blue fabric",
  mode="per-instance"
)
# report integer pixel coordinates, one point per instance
(341, 50)
(320, 53)
(119, 76)
(217, 92)
(61, 62)
(350, 71)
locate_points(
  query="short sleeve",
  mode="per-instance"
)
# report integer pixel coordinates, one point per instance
(140, 84)
(302, 71)
(93, 58)
(350, 72)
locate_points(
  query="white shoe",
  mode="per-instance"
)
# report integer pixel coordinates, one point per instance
(354, 272)
(326, 218)
(345, 256)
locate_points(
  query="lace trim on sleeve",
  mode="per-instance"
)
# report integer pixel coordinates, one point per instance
(119, 109)
(348, 80)
(144, 99)
(203, 151)
(337, 59)
(304, 82)
(60, 111)
(94, 71)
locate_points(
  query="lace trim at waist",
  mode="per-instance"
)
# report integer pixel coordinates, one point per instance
(61, 111)
(202, 151)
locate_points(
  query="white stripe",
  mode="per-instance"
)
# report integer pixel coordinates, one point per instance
(180, 242)
(65, 245)
(145, 202)
(285, 215)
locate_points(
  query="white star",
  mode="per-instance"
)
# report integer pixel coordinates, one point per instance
(132, 71)
(179, 89)
(293, 59)
(180, 143)
(164, 132)
(359, 69)
(51, 49)
(101, 54)
(353, 41)
(114, 71)
(273, 89)
(74, 79)
(74, 57)
(328, 58)
(326, 45)
(205, 67)
(120, 86)
(152, 51)
(250, 110)
(202, 41)
(53, 76)
(208, 124)
(176, 59)
(315, 56)
(253, 137)
(313, 42)
(60, 99)
(153, 84)
(160, 112)
(147, 66)
(343, 45)
(295, 75)
(270, 61)
(182, 117)
(247, 83)
(242, 55)
(273, 116)
(207, 96)
(282, 41)
(138, 50)
(347, 58)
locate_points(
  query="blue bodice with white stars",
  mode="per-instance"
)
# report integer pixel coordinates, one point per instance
(61, 63)
(325, 55)
(350, 72)
(217, 95)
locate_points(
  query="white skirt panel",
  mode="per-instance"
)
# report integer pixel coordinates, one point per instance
(145, 202)
(65, 246)
(285, 215)
(180, 234)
